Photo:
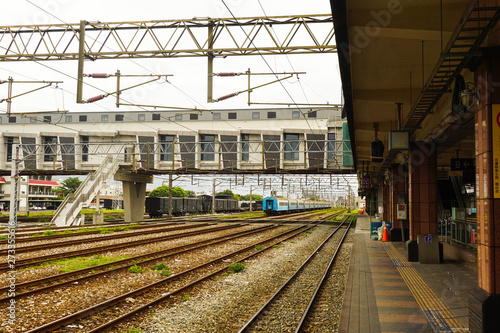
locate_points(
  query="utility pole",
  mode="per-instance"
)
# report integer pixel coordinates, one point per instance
(251, 198)
(14, 185)
(349, 196)
(170, 195)
(213, 196)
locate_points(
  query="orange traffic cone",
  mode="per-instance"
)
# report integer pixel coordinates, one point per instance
(385, 236)
(473, 237)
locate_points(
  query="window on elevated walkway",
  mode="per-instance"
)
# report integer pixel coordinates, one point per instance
(292, 147)
(245, 147)
(167, 142)
(50, 144)
(207, 147)
(331, 146)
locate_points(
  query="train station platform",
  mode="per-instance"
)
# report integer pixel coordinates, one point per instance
(386, 293)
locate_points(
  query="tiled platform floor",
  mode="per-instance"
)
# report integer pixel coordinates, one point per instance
(385, 293)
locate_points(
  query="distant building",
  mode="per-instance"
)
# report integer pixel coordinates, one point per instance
(35, 193)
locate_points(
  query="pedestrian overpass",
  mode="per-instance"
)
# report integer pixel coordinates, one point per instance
(133, 146)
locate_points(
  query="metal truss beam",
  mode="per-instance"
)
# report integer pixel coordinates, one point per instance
(169, 38)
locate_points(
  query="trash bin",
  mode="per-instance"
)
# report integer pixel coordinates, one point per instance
(428, 248)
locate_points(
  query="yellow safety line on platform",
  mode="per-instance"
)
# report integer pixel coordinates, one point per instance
(438, 314)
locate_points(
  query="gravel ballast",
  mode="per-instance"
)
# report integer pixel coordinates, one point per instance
(226, 304)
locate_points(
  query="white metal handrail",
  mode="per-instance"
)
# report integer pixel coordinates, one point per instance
(87, 190)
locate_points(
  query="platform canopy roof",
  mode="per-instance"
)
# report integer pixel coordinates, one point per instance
(408, 52)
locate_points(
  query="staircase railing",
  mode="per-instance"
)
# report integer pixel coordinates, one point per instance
(69, 209)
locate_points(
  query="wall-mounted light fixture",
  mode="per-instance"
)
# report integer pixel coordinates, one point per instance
(470, 95)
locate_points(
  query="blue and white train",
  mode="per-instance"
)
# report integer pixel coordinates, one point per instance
(273, 206)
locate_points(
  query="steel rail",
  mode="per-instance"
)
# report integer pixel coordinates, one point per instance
(38, 260)
(281, 219)
(323, 278)
(66, 243)
(25, 228)
(280, 291)
(30, 238)
(124, 264)
(108, 303)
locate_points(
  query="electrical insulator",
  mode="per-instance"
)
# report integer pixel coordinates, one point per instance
(99, 75)
(227, 96)
(227, 74)
(95, 98)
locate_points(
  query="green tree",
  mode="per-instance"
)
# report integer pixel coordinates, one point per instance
(68, 186)
(255, 197)
(229, 192)
(191, 194)
(162, 191)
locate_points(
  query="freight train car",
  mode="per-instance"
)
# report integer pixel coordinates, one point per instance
(113, 203)
(223, 203)
(157, 206)
(245, 205)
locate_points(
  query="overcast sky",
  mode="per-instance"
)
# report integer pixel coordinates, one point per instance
(187, 88)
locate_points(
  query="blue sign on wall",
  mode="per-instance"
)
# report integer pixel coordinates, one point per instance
(375, 225)
(428, 239)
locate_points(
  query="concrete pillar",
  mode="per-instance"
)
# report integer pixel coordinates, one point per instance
(368, 201)
(386, 216)
(78, 153)
(484, 302)
(134, 194)
(40, 154)
(3, 153)
(197, 155)
(423, 190)
(398, 188)
(98, 217)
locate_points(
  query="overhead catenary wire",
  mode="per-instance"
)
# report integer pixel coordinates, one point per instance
(293, 69)
(151, 111)
(271, 69)
(140, 65)
(316, 183)
(146, 110)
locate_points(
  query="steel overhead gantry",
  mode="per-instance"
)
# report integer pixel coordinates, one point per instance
(194, 37)
(168, 38)
(208, 37)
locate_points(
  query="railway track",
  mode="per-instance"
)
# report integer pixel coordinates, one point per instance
(30, 239)
(301, 217)
(291, 306)
(75, 277)
(95, 250)
(25, 230)
(54, 245)
(108, 313)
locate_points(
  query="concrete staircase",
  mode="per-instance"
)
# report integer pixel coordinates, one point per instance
(67, 213)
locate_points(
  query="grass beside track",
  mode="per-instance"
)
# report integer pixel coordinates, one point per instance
(102, 230)
(342, 216)
(48, 214)
(73, 264)
(244, 215)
